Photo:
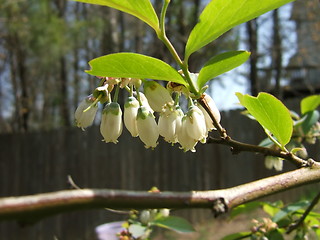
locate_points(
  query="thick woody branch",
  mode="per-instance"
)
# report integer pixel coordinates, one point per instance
(28, 209)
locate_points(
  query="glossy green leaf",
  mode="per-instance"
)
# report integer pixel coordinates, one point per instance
(270, 113)
(290, 209)
(219, 16)
(134, 66)
(221, 63)
(245, 208)
(310, 103)
(237, 236)
(141, 9)
(311, 117)
(174, 223)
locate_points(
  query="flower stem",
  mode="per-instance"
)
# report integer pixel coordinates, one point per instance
(183, 65)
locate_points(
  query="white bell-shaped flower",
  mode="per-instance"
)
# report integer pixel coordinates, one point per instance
(215, 112)
(273, 162)
(85, 118)
(157, 95)
(131, 107)
(147, 127)
(187, 143)
(170, 122)
(195, 124)
(111, 122)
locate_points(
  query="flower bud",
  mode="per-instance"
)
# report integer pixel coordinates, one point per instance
(111, 122)
(85, 118)
(145, 217)
(131, 107)
(273, 162)
(157, 95)
(213, 108)
(187, 143)
(195, 124)
(165, 212)
(170, 122)
(147, 127)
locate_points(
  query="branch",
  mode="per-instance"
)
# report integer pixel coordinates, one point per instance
(237, 147)
(29, 209)
(297, 224)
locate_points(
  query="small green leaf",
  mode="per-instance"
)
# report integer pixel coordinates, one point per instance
(245, 208)
(219, 16)
(311, 117)
(270, 113)
(310, 103)
(272, 208)
(221, 63)
(174, 223)
(237, 236)
(141, 9)
(132, 65)
(290, 209)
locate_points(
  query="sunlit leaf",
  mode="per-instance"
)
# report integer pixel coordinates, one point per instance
(219, 16)
(141, 9)
(290, 209)
(245, 208)
(132, 65)
(270, 113)
(310, 103)
(174, 223)
(221, 63)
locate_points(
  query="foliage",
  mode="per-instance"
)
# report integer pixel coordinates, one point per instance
(280, 221)
(129, 71)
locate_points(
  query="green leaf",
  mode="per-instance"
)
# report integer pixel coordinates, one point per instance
(309, 103)
(174, 223)
(219, 16)
(245, 208)
(290, 209)
(272, 208)
(310, 118)
(270, 113)
(141, 9)
(135, 66)
(237, 236)
(221, 63)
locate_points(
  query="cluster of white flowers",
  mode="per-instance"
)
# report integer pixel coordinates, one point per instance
(173, 124)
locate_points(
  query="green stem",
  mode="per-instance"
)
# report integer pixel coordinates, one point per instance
(183, 65)
(116, 94)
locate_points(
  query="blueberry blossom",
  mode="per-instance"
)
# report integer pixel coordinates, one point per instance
(131, 107)
(111, 122)
(85, 114)
(273, 162)
(214, 110)
(170, 122)
(157, 95)
(195, 124)
(187, 143)
(147, 127)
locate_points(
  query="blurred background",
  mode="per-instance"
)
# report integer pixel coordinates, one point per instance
(44, 49)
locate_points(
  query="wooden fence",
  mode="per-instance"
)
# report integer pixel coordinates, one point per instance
(41, 162)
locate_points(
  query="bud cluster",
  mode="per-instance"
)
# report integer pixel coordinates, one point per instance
(140, 111)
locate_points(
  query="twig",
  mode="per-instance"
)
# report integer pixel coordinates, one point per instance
(29, 209)
(237, 147)
(296, 224)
